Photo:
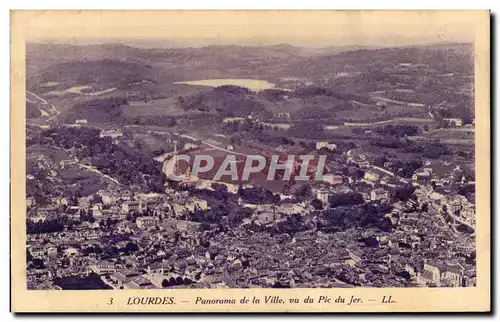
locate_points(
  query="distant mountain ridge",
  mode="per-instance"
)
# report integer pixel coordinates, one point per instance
(236, 61)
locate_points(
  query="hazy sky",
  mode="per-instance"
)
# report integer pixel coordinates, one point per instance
(306, 28)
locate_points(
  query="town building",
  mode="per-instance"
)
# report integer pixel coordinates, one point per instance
(131, 207)
(48, 211)
(37, 252)
(97, 211)
(323, 195)
(123, 276)
(68, 163)
(441, 274)
(30, 202)
(333, 179)
(379, 194)
(103, 267)
(71, 252)
(111, 133)
(422, 177)
(143, 222)
(371, 176)
(454, 121)
(324, 144)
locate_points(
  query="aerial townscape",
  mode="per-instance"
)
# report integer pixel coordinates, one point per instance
(395, 207)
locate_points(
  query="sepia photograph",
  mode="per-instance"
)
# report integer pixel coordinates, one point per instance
(252, 152)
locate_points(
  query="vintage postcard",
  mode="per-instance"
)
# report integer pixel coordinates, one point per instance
(250, 161)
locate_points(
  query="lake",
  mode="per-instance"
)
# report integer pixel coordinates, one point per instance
(251, 84)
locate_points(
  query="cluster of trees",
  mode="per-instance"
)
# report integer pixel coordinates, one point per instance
(66, 137)
(315, 91)
(98, 110)
(224, 209)
(129, 163)
(397, 130)
(87, 216)
(159, 120)
(113, 251)
(346, 199)
(358, 216)
(403, 193)
(226, 101)
(91, 281)
(431, 150)
(43, 227)
(257, 195)
(39, 189)
(406, 169)
(32, 110)
(318, 113)
(292, 225)
(248, 131)
(388, 142)
(102, 73)
(92, 250)
(273, 94)
(230, 215)
(175, 281)
(307, 129)
(301, 191)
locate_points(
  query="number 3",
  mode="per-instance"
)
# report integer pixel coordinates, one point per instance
(110, 301)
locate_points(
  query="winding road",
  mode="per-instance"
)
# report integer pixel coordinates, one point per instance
(92, 169)
(43, 101)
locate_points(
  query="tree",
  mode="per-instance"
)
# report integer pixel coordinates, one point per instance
(346, 199)
(358, 174)
(38, 263)
(404, 193)
(131, 247)
(97, 198)
(317, 204)
(204, 226)
(294, 223)
(301, 191)
(29, 257)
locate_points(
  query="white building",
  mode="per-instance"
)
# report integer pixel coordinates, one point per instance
(196, 204)
(111, 133)
(189, 146)
(324, 144)
(68, 163)
(142, 222)
(371, 176)
(132, 206)
(97, 211)
(30, 202)
(71, 252)
(379, 194)
(323, 195)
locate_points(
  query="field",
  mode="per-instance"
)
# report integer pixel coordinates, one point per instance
(160, 107)
(56, 155)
